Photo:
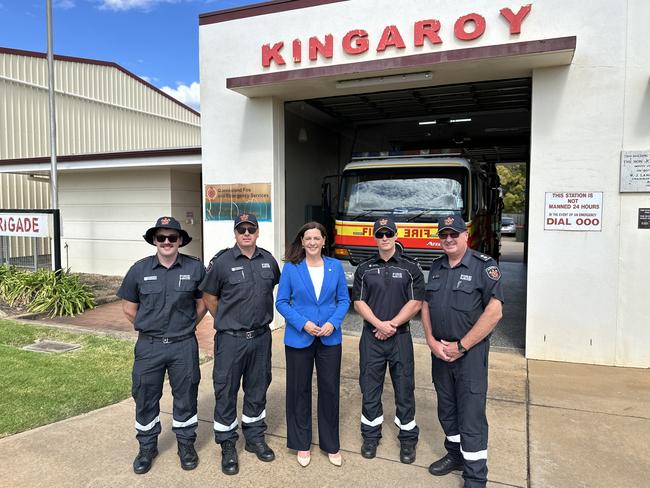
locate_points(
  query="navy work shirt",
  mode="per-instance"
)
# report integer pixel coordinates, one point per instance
(458, 296)
(166, 296)
(244, 288)
(386, 286)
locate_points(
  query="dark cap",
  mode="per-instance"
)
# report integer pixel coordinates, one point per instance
(167, 223)
(246, 217)
(384, 223)
(454, 222)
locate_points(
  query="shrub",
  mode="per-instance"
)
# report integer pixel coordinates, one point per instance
(47, 292)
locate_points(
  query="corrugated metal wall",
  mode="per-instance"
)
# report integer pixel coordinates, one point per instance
(99, 109)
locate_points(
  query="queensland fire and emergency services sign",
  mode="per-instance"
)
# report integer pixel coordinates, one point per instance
(573, 210)
(24, 225)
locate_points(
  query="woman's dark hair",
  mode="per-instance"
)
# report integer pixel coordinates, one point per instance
(295, 252)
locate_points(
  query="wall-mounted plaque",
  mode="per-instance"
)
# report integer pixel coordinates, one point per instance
(635, 171)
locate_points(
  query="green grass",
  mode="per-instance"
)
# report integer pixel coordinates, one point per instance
(41, 388)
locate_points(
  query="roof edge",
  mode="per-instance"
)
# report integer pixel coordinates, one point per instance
(110, 64)
(257, 9)
(153, 153)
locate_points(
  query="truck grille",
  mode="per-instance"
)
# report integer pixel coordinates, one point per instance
(423, 256)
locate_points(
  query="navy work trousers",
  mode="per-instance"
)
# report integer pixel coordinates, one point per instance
(374, 355)
(245, 361)
(181, 361)
(462, 390)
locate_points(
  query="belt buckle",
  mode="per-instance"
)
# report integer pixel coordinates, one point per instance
(249, 334)
(165, 340)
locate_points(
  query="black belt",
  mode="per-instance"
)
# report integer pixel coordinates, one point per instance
(402, 329)
(247, 334)
(167, 340)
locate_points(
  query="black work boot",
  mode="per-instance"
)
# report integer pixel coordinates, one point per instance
(144, 459)
(369, 448)
(188, 455)
(407, 453)
(229, 463)
(445, 466)
(261, 450)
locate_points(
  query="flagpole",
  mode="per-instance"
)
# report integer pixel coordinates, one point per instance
(54, 188)
(50, 77)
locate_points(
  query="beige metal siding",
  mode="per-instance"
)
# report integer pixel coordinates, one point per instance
(99, 109)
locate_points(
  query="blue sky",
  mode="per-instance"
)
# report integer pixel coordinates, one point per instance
(155, 39)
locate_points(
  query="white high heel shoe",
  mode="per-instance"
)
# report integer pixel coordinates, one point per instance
(336, 459)
(302, 459)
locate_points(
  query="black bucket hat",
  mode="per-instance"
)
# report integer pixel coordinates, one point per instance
(167, 223)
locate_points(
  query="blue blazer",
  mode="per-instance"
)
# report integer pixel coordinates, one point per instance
(297, 302)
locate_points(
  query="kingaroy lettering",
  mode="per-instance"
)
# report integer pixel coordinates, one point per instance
(357, 41)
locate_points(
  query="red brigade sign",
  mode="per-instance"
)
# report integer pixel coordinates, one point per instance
(466, 28)
(24, 225)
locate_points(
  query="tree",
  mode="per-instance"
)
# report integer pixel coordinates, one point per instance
(513, 183)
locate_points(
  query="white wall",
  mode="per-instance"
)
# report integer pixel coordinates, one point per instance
(106, 212)
(633, 333)
(585, 290)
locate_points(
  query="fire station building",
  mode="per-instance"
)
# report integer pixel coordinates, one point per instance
(291, 90)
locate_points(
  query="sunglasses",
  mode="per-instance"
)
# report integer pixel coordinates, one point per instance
(385, 233)
(162, 237)
(242, 229)
(444, 235)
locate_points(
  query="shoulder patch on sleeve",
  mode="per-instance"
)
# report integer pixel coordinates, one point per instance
(493, 272)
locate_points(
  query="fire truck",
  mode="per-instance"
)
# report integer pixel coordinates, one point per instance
(414, 191)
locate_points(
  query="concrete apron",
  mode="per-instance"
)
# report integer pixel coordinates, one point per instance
(96, 449)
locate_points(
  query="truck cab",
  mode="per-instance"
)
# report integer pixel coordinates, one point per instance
(414, 191)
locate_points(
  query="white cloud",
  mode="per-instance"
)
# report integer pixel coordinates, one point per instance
(149, 79)
(189, 95)
(131, 4)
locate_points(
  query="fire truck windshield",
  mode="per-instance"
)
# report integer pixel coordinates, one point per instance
(407, 194)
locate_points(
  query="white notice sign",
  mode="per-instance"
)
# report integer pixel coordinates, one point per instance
(574, 210)
(635, 171)
(24, 224)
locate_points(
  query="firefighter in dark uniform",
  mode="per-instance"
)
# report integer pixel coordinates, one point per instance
(463, 305)
(238, 291)
(388, 291)
(160, 297)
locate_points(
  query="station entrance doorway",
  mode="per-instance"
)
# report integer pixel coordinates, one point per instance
(486, 122)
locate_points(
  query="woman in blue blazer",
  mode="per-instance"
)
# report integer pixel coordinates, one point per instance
(313, 298)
